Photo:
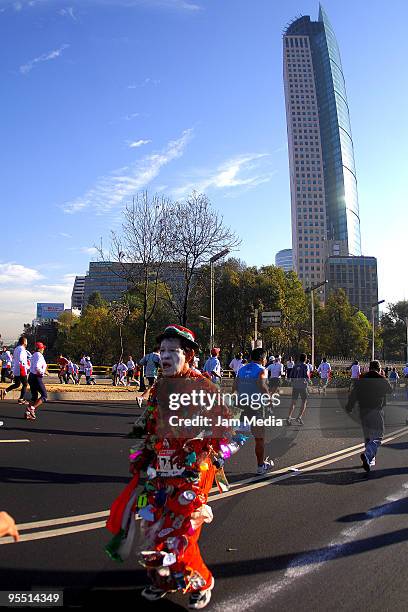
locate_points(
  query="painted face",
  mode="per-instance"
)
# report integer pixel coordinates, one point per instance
(172, 357)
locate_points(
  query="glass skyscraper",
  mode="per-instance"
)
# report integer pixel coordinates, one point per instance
(325, 211)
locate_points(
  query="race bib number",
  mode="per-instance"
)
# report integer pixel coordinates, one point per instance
(165, 465)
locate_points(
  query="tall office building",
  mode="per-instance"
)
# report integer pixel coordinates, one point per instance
(357, 276)
(324, 203)
(77, 297)
(113, 279)
(284, 260)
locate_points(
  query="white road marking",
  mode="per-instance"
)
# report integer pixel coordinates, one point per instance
(63, 521)
(310, 465)
(260, 598)
(12, 441)
(42, 535)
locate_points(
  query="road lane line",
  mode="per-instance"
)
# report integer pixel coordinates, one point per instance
(339, 456)
(62, 521)
(12, 441)
(53, 533)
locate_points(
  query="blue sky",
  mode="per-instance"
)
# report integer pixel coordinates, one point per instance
(103, 98)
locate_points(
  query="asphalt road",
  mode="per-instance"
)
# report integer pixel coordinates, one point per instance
(326, 537)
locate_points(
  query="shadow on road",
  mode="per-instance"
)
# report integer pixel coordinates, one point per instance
(399, 506)
(342, 476)
(64, 432)
(26, 475)
(120, 587)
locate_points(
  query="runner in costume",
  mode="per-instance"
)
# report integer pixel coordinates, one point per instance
(180, 463)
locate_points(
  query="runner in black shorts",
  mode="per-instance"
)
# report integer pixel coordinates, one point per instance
(38, 369)
(299, 378)
(251, 380)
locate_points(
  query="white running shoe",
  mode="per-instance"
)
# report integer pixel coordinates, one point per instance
(200, 599)
(299, 420)
(30, 413)
(372, 462)
(265, 467)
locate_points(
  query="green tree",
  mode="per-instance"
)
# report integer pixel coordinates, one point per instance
(96, 300)
(341, 329)
(394, 331)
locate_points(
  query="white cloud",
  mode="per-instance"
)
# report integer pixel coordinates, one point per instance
(179, 5)
(246, 171)
(68, 12)
(64, 235)
(138, 143)
(131, 116)
(146, 81)
(110, 191)
(88, 250)
(16, 274)
(21, 289)
(25, 68)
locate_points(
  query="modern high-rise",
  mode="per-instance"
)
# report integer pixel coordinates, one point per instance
(112, 279)
(284, 260)
(357, 276)
(77, 297)
(324, 203)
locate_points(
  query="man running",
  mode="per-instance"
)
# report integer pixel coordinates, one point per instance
(88, 371)
(38, 369)
(81, 371)
(252, 380)
(121, 372)
(6, 360)
(151, 363)
(324, 371)
(130, 370)
(370, 392)
(275, 373)
(213, 366)
(19, 368)
(180, 468)
(300, 377)
(62, 374)
(289, 366)
(236, 363)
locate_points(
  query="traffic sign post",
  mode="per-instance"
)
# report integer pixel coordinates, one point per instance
(271, 318)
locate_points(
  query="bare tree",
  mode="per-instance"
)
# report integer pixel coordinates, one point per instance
(197, 233)
(139, 251)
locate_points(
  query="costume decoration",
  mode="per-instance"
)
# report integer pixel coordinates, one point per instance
(180, 470)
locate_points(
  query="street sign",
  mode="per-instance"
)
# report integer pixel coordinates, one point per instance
(271, 318)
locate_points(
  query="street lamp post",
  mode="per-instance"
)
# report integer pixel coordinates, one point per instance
(373, 307)
(213, 259)
(311, 290)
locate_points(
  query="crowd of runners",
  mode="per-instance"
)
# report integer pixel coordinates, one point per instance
(180, 467)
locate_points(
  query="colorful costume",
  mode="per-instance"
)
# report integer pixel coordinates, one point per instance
(180, 464)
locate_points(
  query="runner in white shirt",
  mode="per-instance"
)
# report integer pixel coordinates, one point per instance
(355, 370)
(289, 366)
(88, 371)
(275, 373)
(324, 370)
(6, 360)
(236, 363)
(81, 371)
(38, 369)
(130, 370)
(19, 367)
(121, 371)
